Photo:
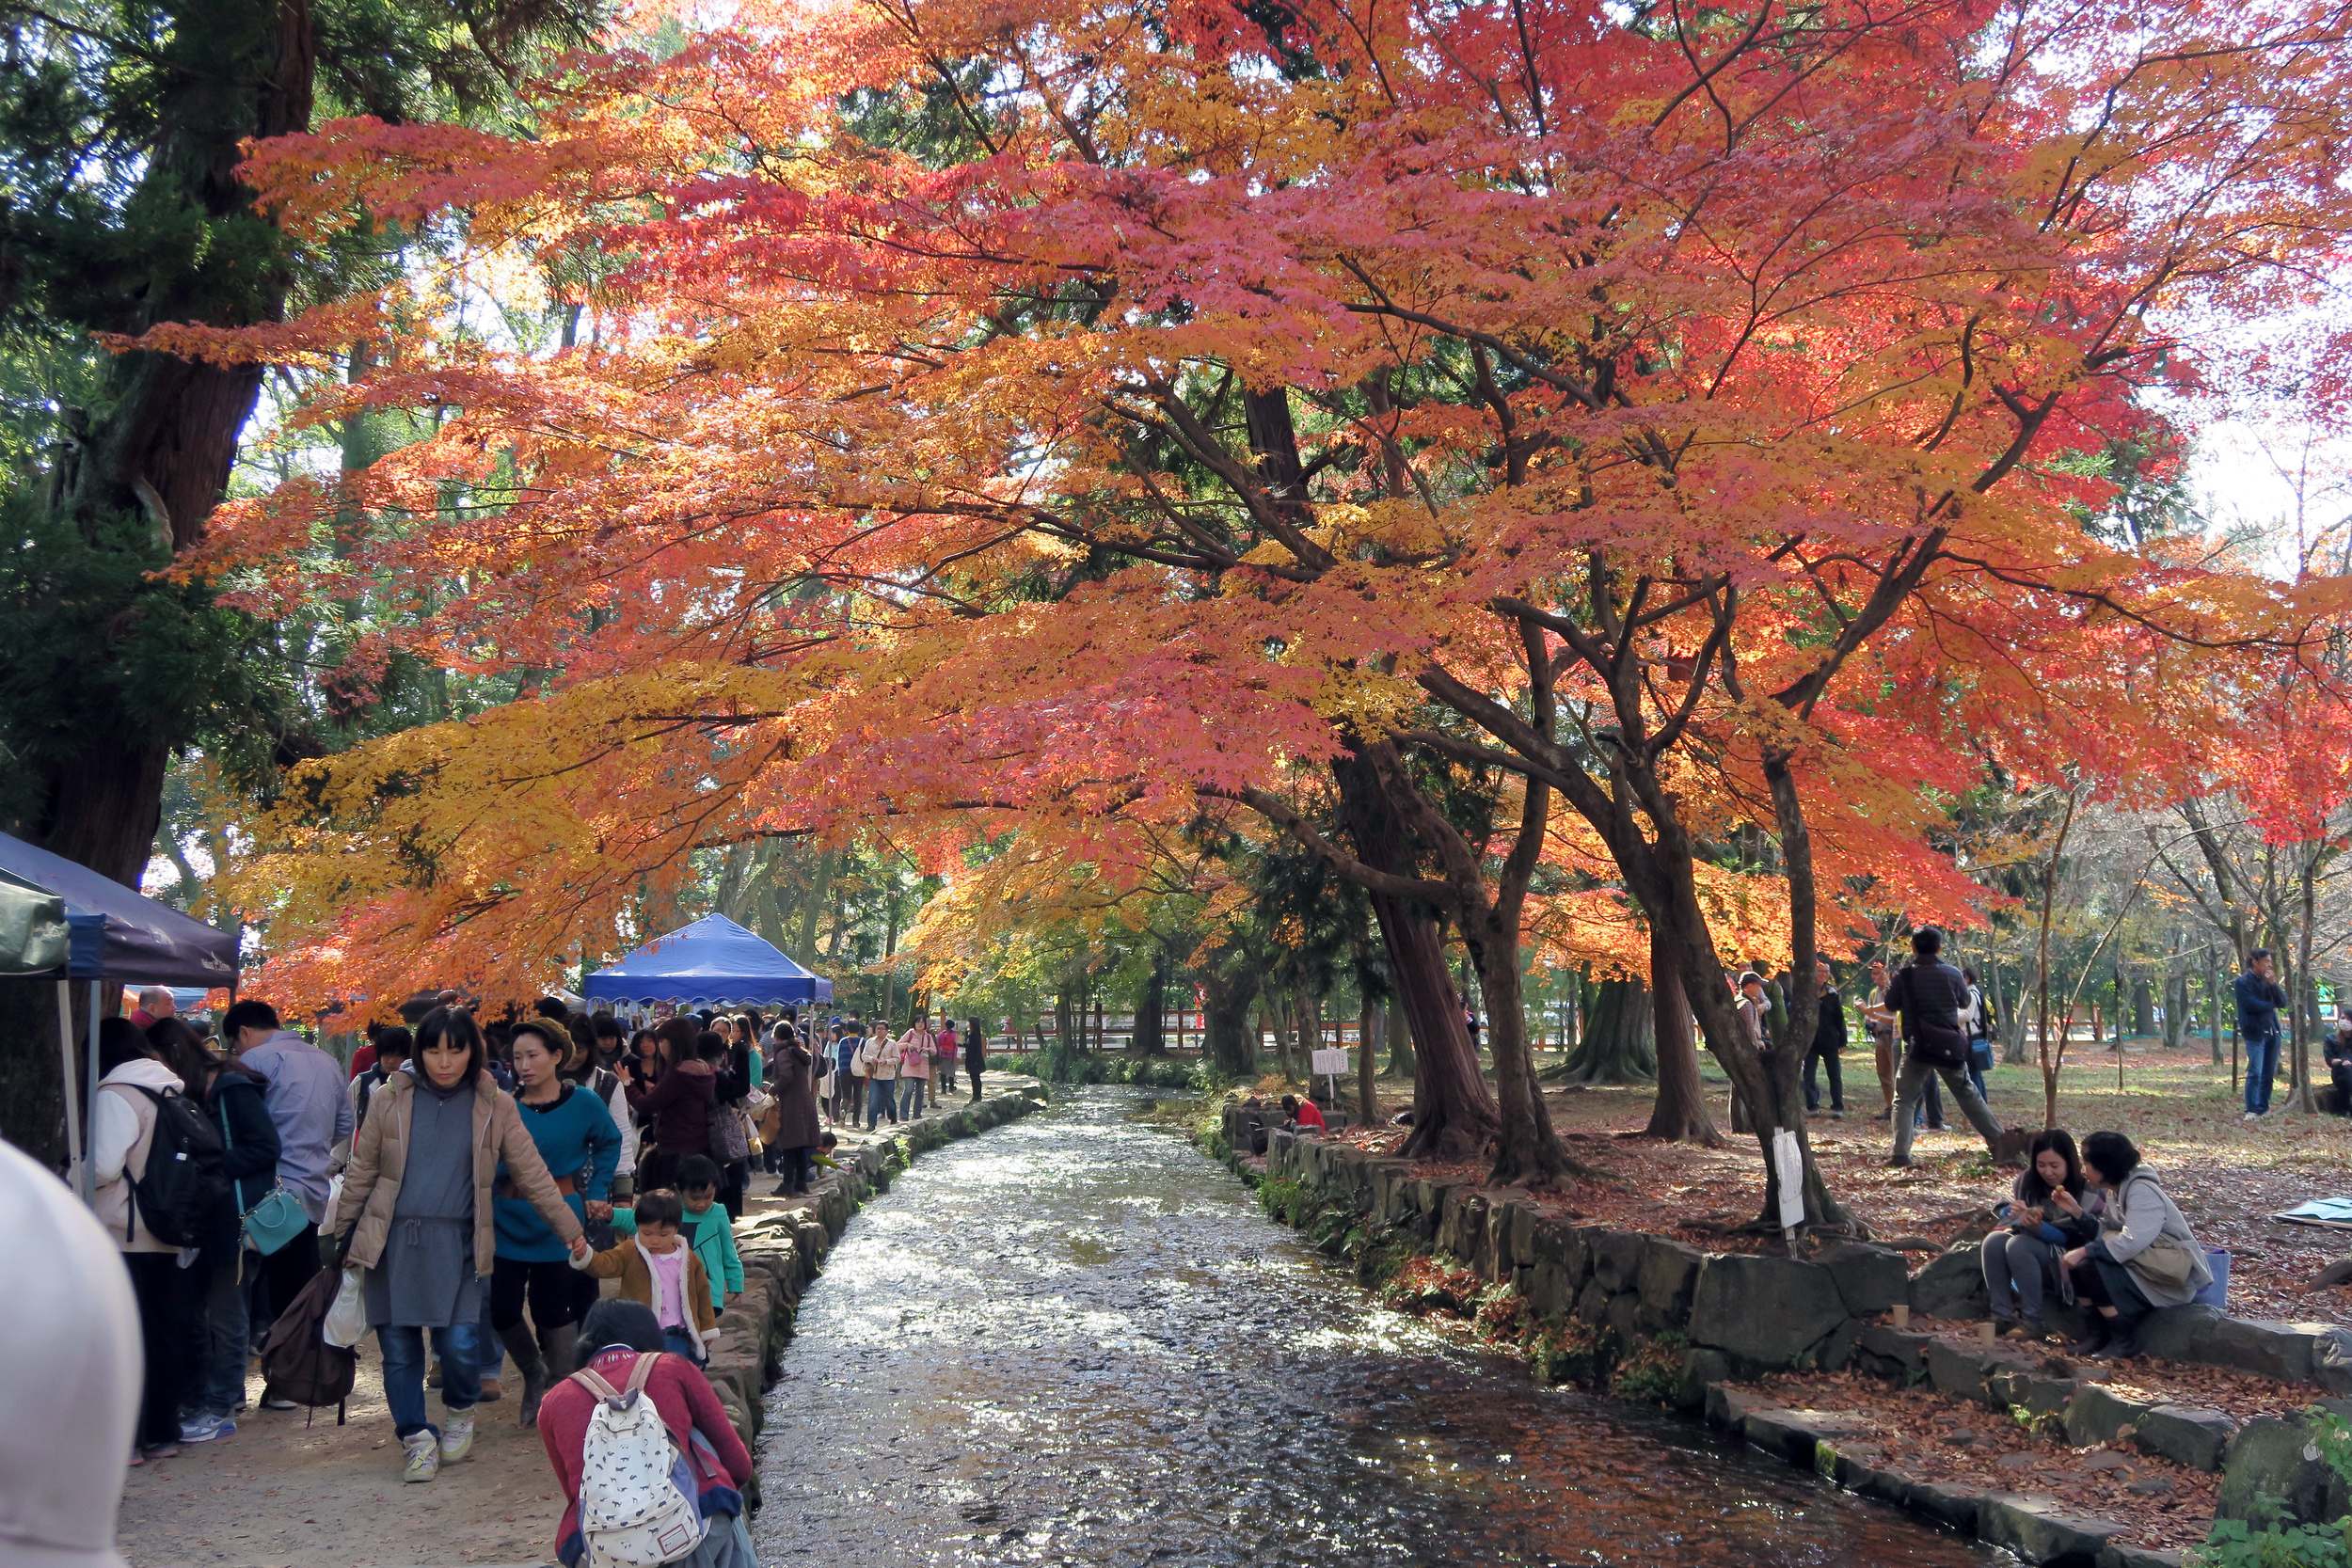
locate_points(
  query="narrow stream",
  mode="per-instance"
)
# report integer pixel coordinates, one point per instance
(1076, 1340)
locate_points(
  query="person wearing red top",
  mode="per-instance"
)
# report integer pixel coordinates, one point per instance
(620, 1331)
(1303, 1112)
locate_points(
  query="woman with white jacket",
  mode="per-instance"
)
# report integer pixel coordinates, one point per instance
(123, 1130)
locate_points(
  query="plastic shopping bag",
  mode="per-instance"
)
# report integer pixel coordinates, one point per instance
(346, 1322)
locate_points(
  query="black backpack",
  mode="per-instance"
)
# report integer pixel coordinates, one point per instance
(297, 1363)
(183, 1190)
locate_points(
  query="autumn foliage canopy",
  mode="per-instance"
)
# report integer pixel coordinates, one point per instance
(1072, 417)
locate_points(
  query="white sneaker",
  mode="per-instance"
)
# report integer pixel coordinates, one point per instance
(2252, 1115)
(424, 1456)
(458, 1438)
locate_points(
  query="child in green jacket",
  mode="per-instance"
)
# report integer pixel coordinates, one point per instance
(709, 1234)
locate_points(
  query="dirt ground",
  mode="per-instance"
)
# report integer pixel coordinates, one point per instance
(293, 1490)
(2228, 1176)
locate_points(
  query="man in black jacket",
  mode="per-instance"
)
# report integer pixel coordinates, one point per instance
(1828, 1041)
(2258, 999)
(1929, 996)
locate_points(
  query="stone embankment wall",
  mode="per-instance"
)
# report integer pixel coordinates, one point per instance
(783, 1252)
(1737, 1317)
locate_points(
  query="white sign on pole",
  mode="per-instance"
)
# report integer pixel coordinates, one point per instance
(1788, 1165)
(1328, 1064)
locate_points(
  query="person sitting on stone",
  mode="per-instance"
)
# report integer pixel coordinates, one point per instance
(1302, 1113)
(2051, 1208)
(2337, 1048)
(2145, 1255)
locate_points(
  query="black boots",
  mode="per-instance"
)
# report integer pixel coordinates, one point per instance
(525, 1349)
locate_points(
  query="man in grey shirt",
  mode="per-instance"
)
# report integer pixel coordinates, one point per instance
(304, 1088)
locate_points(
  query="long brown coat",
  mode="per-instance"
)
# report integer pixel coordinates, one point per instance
(792, 1075)
(380, 1157)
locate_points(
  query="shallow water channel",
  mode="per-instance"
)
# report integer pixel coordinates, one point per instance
(1076, 1340)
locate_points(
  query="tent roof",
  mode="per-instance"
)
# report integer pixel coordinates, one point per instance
(119, 934)
(713, 959)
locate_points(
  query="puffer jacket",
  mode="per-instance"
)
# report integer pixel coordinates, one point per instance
(380, 1157)
(2137, 1215)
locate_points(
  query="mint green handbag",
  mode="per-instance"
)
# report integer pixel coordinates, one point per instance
(277, 1219)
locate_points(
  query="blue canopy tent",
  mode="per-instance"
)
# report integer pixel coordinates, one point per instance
(119, 934)
(714, 960)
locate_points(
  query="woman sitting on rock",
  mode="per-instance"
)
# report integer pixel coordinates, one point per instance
(2051, 1210)
(2145, 1255)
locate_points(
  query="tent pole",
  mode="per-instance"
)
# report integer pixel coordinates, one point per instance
(74, 1165)
(89, 1138)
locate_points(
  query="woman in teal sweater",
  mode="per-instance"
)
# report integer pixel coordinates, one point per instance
(576, 1137)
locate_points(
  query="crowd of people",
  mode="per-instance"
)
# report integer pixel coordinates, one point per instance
(485, 1176)
(1932, 1032)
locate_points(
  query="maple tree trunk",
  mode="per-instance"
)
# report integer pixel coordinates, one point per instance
(1777, 1096)
(1528, 1151)
(1679, 1110)
(1616, 1044)
(1371, 1023)
(2304, 994)
(2214, 993)
(1454, 1116)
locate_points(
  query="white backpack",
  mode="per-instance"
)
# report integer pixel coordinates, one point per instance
(637, 1494)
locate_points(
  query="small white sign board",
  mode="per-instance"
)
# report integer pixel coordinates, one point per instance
(1326, 1064)
(1788, 1164)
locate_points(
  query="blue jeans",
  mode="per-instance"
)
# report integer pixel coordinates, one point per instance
(882, 1099)
(685, 1342)
(221, 1375)
(2261, 1062)
(489, 1350)
(403, 1372)
(910, 1096)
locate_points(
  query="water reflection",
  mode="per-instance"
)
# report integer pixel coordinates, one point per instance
(1076, 1340)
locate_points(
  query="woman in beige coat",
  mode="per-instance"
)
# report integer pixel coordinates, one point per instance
(417, 1210)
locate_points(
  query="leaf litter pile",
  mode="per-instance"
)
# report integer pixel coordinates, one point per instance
(1925, 1436)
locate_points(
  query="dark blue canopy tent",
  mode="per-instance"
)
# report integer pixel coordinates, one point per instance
(714, 960)
(119, 934)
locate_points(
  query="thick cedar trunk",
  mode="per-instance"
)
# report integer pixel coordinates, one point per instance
(1149, 1039)
(1227, 1039)
(1615, 1046)
(32, 1094)
(166, 433)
